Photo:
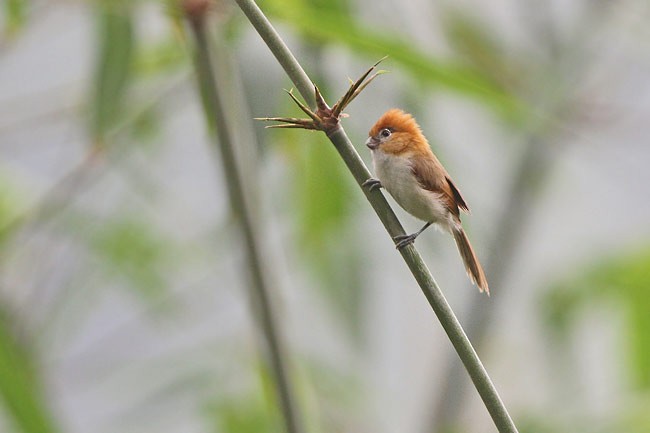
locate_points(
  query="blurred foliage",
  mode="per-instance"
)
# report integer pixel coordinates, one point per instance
(114, 63)
(322, 190)
(325, 197)
(334, 25)
(337, 396)
(479, 48)
(20, 388)
(145, 126)
(329, 398)
(535, 424)
(134, 251)
(624, 279)
(174, 12)
(122, 62)
(10, 203)
(165, 55)
(245, 415)
(635, 417)
(15, 14)
(252, 411)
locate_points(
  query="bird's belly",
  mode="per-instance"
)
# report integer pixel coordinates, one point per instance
(397, 178)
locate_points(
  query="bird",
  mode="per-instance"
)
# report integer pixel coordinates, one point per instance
(407, 168)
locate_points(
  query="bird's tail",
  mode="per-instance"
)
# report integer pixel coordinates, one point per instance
(472, 265)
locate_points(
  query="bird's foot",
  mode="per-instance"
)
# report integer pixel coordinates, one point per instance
(372, 184)
(404, 240)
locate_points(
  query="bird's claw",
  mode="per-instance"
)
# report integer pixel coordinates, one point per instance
(403, 240)
(372, 184)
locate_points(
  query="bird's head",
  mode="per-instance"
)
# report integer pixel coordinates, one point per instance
(397, 132)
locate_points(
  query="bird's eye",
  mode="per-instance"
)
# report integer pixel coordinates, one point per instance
(385, 132)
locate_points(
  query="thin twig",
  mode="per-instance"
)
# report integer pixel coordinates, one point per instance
(414, 261)
(260, 286)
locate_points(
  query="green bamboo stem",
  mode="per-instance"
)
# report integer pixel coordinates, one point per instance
(414, 261)
(242, 207)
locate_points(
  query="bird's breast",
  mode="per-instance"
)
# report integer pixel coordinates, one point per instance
(396, 176)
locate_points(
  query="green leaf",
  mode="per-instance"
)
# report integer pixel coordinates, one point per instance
(114, 64)
(132, 250)
(162, 56)
(10, 205)
(20, 388)
(146, 126)
(325, 200)
(635, 416)
(251, 411)
(15, 13)
(625, 279)
(324, 193)
(243, 416)
(478, 47)
(326, 26)
(174, 12)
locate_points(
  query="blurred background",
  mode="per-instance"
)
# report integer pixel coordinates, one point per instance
(124, 302)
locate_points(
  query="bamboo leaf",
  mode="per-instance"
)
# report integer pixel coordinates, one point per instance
(10, 204)
(146, 126)
(20, 388)
(162, 56)
(324, 194)
(242, 417)
(248, 412)
(624, 278)
(133, 251)
(325, 203)
(113, 68)
(15, 14)
(478, 47)
(326, 26)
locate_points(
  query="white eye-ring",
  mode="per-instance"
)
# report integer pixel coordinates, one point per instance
(385, 132)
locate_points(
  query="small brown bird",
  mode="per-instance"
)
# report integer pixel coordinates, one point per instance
(411, 173)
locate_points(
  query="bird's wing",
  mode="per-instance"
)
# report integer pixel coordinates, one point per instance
(432, 176)
(460, 201)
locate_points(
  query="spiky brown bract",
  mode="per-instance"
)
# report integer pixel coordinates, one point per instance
(407, 135)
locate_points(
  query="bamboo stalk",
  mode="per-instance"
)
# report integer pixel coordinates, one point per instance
(260, 286)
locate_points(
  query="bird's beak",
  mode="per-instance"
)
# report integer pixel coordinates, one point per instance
(372, 143)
